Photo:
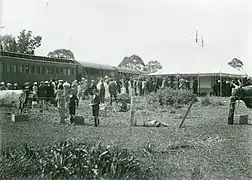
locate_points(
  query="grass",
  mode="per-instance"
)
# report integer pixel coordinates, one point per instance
(205, 148)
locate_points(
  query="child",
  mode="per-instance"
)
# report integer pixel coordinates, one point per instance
(72, 104)
(95, 106)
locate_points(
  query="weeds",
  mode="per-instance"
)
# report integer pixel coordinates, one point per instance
(67, 160)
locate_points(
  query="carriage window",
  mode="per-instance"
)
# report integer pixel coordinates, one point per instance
(33, 69)
(8, 68)
(61, 71)
(21, 68)
(27, 68)
(57, 70)
(38, 69)
(43, 70)
(68, 72)
(73, 71)
(52, 70)
(14, 68)
(64, 71)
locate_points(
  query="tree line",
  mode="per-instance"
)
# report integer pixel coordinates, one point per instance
(27, 43)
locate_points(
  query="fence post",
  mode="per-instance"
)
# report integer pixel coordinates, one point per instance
(231, 110)
(189, 108)
(132, 111)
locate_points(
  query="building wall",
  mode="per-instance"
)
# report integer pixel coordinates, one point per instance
(205, 85)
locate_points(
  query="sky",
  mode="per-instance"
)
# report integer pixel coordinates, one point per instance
(105, 31)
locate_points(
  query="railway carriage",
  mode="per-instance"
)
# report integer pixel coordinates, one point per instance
(16, 67)
(20, 68)
(95, 71)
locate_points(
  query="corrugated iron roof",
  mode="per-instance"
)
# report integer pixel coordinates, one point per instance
(96, 66)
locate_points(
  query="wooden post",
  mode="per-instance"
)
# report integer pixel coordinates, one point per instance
(132, 111)
(189, 108)
(231, 110)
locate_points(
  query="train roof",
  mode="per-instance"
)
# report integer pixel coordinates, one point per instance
(127, 70)
(96, 66)
(33, 57)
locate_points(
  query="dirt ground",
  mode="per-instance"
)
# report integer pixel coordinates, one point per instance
(205, 148)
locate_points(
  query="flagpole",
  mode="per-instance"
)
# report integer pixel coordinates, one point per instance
(220, 84)
(199, 56)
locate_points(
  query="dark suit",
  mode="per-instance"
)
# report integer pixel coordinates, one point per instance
(95, 109)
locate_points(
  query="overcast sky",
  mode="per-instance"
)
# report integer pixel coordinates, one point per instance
(104, 31)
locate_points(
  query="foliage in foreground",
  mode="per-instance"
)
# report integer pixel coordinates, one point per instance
(170, 97)
(68, 160)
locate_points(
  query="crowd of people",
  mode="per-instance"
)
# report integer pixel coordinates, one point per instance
(65, 95)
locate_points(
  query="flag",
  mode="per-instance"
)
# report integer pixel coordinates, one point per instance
(202, 41)
(196, 36)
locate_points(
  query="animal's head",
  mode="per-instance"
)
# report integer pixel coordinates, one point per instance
(237, 91)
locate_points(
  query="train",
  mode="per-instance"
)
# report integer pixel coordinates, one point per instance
(20, 68)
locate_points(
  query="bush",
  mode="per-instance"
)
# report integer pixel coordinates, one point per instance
(171, 97)
(67, 160)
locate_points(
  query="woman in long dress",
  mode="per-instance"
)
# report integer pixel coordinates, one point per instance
(61, 101)
(107, 95)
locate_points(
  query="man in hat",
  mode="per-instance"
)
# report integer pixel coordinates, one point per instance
(72, 104)
(112, 91)
(15, 86)
(95, 106)
(2, 86)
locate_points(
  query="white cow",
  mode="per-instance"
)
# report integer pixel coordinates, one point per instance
(13, 99)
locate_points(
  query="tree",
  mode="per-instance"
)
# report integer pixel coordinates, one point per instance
(62, 53)
(8, 43)
(236, 64)
(132, 62)
(153, 66)
(24, 43)
(28, 43)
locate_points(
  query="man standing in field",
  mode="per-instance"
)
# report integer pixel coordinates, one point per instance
(72, 105)
(112, 91)
(95, 106)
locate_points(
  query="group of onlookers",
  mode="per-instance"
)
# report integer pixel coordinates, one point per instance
(65, 95)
